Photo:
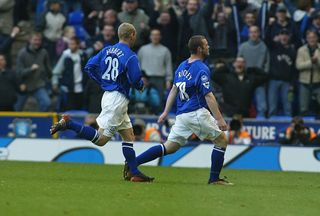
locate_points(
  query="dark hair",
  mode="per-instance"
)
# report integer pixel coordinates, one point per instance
(311, 32)
(195, 42)
(155, 29)
(76, 39)
(36, 34)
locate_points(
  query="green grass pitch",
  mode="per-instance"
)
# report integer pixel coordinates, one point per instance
(28, 188)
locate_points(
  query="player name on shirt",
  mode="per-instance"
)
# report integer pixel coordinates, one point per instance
(114, 50)
(185, 74)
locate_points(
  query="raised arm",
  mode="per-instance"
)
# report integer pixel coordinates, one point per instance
(170, 101)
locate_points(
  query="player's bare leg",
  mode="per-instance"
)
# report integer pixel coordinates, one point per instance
(217, 159)
(131, 172)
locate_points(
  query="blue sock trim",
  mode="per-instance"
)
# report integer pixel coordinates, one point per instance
(130, 145)
(164, 151)
(96, 137)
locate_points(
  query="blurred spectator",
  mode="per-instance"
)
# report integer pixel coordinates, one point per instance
(180, 7)
(315, 24)
(301, 13)
(152, 135)
(76, 19)
(224, 35)
(51, 24)
(143, 134)
(34, 69)
(236, 133)
(155, 60)
(106, 38)
(70, 76)
(139, 129)
(20, 11)
(90, 9)
(71, 5)
(146, 102)
(111, 4)
(8, 86)
(110, 17)
(167, 22)
(6, 42)
(62, 43)
(244, 6)
(238, 85)
(244, 16)
(92, 97)
(249, 20)
(256, 54)
(279, 23)
(308, 64)
(136, 17)
(298, 134)
(195, 20)
(6, 16)
(282, 73)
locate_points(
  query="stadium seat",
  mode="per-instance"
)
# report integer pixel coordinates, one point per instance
(286, 118)
(75, 19)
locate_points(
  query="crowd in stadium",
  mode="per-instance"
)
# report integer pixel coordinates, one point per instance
(264, 55)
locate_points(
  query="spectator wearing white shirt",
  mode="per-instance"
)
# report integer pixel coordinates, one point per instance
(69, 77)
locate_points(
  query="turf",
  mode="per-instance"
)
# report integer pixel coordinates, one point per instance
(77, 189)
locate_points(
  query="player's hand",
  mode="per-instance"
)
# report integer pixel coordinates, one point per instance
(162, 117)
(222, 124)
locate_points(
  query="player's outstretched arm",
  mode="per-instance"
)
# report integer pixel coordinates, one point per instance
(213, 106)
(170, 101)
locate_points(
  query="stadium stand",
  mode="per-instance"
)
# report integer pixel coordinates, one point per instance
(226, 24)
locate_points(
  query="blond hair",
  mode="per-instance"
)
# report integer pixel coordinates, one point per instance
(125, 31)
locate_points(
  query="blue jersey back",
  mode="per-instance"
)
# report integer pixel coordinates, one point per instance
(115, 68)
(192, 81)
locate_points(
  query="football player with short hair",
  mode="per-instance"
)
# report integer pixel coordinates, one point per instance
(194, 100)
(115, 69)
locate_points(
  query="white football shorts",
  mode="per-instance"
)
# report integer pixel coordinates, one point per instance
(199, 122)
(114, 113)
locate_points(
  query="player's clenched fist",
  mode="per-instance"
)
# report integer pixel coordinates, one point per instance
(222, 124)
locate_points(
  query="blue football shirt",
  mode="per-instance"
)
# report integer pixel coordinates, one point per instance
(116, 68)
(192, 81)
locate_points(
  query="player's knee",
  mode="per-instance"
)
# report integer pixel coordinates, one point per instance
(221, 141)
(171, 147)
(102, 140)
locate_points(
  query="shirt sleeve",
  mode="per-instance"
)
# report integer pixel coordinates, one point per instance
(203, 82)
(92, 67)
(134, 72)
